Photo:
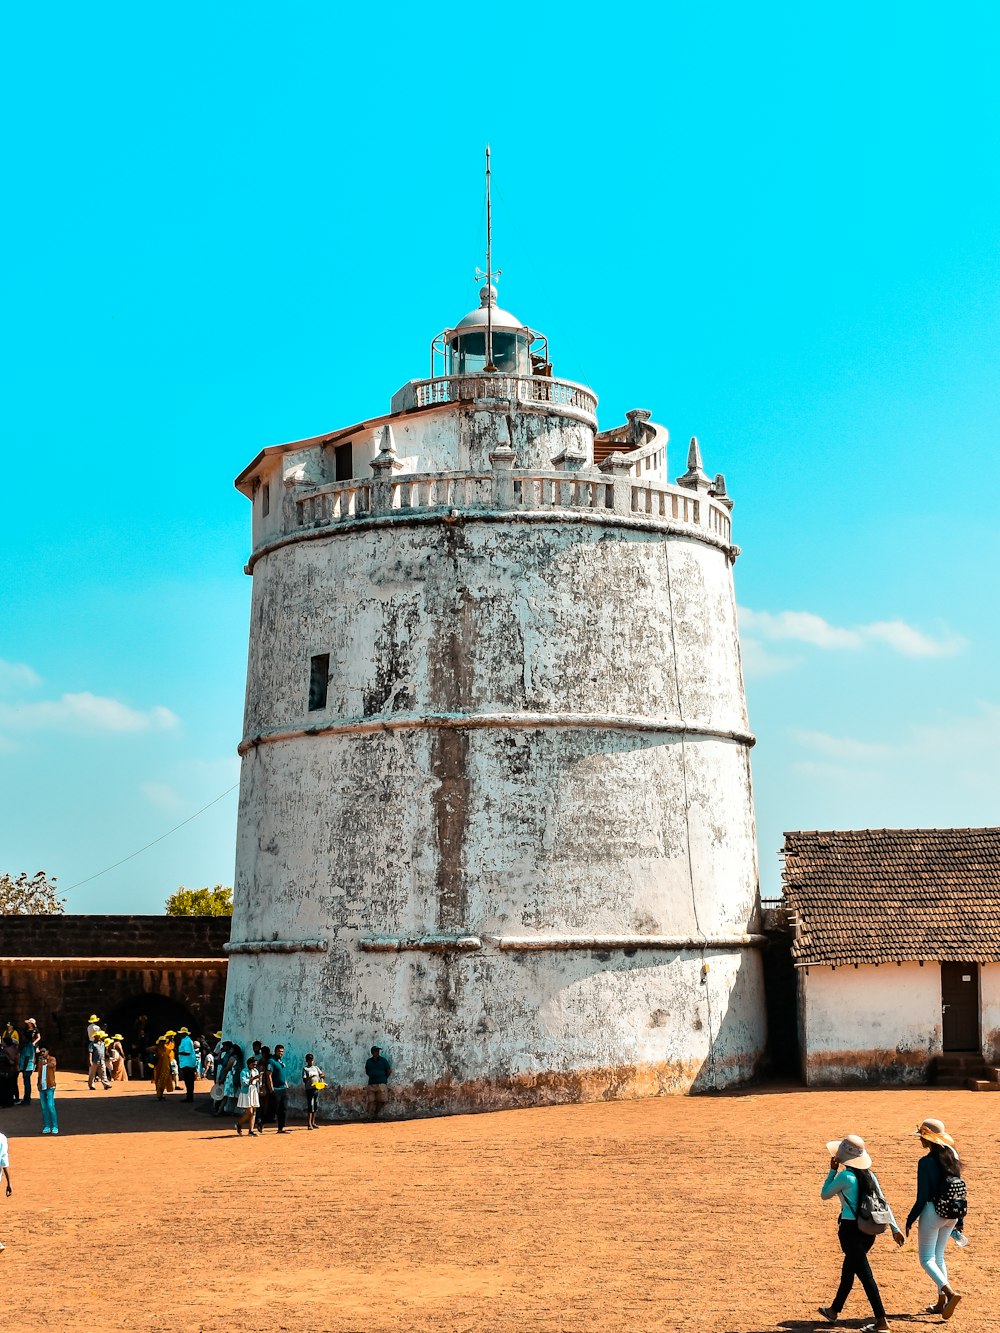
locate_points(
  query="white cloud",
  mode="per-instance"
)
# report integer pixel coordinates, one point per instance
(958, 738)
(759, 661)
(842, 747)
(84, 712)
(806, 627)
(163, 797)
(802, 626)
(913, 642)
(16, 676)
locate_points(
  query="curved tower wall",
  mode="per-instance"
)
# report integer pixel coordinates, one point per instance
(516, 847)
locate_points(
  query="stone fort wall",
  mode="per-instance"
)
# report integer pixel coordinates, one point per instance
(59, 969)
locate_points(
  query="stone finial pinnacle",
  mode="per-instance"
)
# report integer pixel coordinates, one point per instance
(695, 478)
(387, 443)
(718, 490)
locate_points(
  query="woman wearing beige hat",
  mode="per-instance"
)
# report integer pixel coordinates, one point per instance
(934, 1170)
(851, 1178)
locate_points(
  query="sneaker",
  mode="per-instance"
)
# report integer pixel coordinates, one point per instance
(55, 1131)
(828, 1313)
(46, 1130)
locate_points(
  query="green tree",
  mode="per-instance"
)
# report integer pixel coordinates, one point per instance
(201, 902)
(36, 895)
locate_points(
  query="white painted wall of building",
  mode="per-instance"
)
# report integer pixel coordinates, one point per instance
(989, 996)
(882, 1024)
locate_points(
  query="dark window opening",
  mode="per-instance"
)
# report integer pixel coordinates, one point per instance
(343, 457)
(265, 499)
(319, 677)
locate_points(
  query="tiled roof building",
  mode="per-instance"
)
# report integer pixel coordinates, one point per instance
(862, 896)
(897, 951)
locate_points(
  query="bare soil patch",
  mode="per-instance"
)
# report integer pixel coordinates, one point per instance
(686, 1213)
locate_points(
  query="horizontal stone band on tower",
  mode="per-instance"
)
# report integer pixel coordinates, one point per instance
(473, 721)
(450, 514)
(276, 946)
(535, 943)
(421, 944)
(562, 943)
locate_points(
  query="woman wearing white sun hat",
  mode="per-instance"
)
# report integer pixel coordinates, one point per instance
(851, 1179)
(939, 1165)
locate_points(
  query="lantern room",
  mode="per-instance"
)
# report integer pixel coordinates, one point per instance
(490, 340)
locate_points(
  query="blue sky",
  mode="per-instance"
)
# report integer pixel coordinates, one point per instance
(775, 226)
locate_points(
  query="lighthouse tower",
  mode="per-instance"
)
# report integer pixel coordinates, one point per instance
(495, 809)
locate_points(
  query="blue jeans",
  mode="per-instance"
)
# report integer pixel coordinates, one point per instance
(932, 1237)
(47, 1097)
(27, 1073)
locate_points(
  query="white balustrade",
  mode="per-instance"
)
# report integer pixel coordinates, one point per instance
(532, 490)
(520, 388)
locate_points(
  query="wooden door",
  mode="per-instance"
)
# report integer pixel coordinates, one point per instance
(960, 1006)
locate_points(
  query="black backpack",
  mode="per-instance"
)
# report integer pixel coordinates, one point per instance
(953, 1201)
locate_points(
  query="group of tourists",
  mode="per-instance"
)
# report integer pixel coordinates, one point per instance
(105, 1056)
(18, 1054)
(254, 1086)
(939, 1211)
(178, 1060)
(25, 1063)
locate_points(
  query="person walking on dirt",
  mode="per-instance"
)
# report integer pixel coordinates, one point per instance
(47, 1091)
(851, 1179)
(378, 1069)
(249, 1098)
(26, 1049)
(312, 1079)
(935, 1170)
(5, 1170)
(279, 1086)
(98, 1068)
(187, 1063)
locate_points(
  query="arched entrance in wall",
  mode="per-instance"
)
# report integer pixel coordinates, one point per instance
(161, 1012)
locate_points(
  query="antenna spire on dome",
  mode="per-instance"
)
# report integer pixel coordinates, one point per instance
(488, 295)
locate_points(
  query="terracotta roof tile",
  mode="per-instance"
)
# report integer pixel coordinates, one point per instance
(894, 895)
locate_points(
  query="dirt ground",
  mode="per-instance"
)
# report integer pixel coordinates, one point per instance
(687, 1213)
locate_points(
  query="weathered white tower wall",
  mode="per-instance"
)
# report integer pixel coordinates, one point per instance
(514, 845)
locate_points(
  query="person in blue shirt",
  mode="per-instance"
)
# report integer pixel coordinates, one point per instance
(279, 1086)
(187, 1062)
(849, 1178)
(933, 1170)
(27, 1047)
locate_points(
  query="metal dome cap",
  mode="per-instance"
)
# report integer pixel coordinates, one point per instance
(476, 319)
(488, 312)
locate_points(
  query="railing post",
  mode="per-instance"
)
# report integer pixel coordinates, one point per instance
(621, 474)
(383, 465)
(502, 461)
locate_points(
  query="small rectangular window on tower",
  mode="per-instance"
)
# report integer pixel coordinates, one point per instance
(265, 499)
(343, 457)
(319, 677)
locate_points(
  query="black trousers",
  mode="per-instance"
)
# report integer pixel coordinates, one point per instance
(855, 1245)
(280, 1108)
(187, 1078)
